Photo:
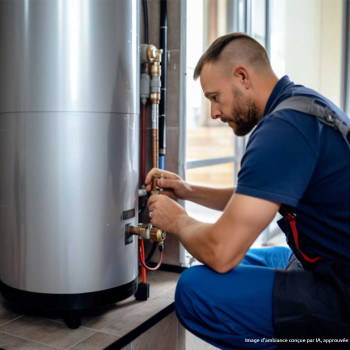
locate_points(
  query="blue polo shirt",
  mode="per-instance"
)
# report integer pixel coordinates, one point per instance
(294, 159)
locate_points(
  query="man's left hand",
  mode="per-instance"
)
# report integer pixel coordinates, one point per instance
(164, 212)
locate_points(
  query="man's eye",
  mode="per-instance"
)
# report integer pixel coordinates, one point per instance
(214, 98)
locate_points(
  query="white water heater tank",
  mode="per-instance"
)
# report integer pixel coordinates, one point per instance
(69, 152)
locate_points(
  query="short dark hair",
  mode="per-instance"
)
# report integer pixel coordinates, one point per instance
(213, 52)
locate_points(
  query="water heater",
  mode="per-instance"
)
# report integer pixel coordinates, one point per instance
(69, 164)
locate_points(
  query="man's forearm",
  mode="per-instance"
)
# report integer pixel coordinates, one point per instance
(213, 198)
(193, 235)
(205, 244)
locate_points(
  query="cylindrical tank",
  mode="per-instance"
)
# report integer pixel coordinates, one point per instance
(69, 131)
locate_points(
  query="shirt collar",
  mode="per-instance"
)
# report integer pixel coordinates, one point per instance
(276, 93)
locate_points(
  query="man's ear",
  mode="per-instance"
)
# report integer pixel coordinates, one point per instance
(242, 74)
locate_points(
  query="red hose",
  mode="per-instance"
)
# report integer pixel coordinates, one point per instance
(142, 257)
(143, 167)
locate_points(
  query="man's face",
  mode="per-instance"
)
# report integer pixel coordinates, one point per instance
(227, 100)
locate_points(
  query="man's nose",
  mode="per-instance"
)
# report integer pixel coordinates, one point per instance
(215, 112)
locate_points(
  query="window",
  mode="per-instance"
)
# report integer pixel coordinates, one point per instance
(212, 150)
(306, 43)
(303, 39)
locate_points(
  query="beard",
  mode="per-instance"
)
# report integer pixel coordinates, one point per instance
(245, 114)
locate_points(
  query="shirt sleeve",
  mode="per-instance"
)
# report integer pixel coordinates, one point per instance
(280, 159)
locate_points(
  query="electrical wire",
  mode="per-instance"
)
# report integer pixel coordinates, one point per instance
(142, 257)
(145, 20)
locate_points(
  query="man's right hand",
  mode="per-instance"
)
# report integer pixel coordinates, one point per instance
(172, 184)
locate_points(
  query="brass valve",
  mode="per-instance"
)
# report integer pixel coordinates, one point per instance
(147, 231)
(155, 188)
(157, 235)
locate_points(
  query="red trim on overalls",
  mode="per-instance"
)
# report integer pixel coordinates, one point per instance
(292, 222)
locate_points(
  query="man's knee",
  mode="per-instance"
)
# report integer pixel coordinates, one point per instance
(186, 290)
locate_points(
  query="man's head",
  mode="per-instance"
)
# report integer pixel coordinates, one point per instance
(237, 78)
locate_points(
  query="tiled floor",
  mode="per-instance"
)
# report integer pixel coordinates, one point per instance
(98, 330)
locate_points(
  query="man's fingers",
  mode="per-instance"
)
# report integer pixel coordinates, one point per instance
(152, 172)
(166, 183)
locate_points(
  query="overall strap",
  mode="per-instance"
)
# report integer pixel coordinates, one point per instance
(294, 239)
(309, 105)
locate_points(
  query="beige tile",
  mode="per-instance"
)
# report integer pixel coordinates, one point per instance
(127, 347)
(154, 305)
(195, 343)
(10, 342)
(171, 253)
(162, 286)
(161, 282)
(153, 20)
(101, 318)
(173, 87)
(6, 314)
(45, 331)
(174, 28)
(170, 293)
(96, 342)
(162, 336)
(181, 337)
(125, 323)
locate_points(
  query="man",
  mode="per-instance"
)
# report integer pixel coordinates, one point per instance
(257, 298)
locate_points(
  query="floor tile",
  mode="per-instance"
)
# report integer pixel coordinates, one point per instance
(45, 331)
(153, 305)
(97, 341)
(125, 323)
(6, 314)
(10, 342)
(102, 318)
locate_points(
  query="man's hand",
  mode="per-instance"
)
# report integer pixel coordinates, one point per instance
(165, 212)
(172, 184)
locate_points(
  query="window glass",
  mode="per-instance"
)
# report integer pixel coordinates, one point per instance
(258, 21)
(306, 43)
(212, 176)
(206, 138)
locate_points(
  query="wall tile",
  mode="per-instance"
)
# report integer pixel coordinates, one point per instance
(172, 153)
(195, 343)
(162, 336)
(174, 24)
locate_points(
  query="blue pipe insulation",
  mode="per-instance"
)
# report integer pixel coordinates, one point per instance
(161, 162)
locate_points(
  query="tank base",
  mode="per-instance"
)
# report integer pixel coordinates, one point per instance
(69, 303)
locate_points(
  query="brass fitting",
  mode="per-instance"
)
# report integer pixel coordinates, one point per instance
(157, 235)
(155, 69)
(155, 188)
(147, 231)
(142, 230)
(155, 97)
(153, 54)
